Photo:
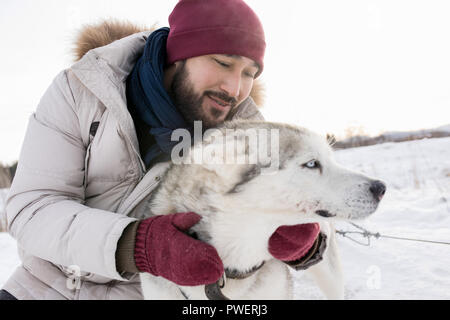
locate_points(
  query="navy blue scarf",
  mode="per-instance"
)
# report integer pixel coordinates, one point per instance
(148, 99)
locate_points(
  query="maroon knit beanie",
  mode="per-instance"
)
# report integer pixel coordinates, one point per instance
(201, 27)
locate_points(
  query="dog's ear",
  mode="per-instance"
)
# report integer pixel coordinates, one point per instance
(242, 151)
(225, 154)
(220, 153)
(228, 147)
(252, 171)
(331, 139)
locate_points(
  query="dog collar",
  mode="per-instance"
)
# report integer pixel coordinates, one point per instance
(213, 291)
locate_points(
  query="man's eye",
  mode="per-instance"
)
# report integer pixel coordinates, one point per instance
(223, 64)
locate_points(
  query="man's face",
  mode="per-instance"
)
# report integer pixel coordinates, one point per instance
(207, 87)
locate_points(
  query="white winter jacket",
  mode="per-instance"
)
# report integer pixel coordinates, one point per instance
(74, 192)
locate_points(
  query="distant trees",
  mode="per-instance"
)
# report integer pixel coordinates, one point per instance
(357, 138)
(7, 174)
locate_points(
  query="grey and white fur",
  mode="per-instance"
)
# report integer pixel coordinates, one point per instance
(241, 207)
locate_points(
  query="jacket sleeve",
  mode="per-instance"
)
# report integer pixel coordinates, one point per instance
(45, 205)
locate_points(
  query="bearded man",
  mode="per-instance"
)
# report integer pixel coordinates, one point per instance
(103, 126)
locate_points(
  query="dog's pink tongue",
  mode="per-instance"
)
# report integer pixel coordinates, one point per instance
(289, 243)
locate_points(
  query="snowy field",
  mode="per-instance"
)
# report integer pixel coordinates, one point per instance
(416, 205)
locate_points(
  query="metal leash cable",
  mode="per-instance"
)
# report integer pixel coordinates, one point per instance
(367, 234)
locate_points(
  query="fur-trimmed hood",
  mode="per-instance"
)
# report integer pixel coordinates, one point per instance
(96, 35)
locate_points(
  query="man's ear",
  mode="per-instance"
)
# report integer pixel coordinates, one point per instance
(179, 64)
(170, 71)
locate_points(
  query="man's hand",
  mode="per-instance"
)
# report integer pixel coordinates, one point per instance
(164, 249)
(299, 246)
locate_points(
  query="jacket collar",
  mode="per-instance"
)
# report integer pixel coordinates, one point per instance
(104, 71)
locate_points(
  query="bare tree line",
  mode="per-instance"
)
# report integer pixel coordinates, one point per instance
(355, 141)
(6, 176)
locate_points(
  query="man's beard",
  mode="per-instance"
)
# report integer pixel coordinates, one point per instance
(189, 103)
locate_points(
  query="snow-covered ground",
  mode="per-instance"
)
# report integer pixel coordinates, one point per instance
(416, 205)
(9, 259)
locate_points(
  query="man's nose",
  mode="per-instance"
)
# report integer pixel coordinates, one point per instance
(231, 85)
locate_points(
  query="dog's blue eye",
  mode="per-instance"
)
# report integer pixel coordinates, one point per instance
(313, 164)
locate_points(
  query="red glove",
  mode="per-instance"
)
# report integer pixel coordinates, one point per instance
(164, 249)
(300, 246)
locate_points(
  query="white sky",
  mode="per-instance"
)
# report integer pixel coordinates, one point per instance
(383, 65)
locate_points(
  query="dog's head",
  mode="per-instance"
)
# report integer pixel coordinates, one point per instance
(288, 170)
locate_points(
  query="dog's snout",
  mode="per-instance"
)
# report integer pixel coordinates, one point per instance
(378, 189)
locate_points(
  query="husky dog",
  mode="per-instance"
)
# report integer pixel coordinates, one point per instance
(243, 202)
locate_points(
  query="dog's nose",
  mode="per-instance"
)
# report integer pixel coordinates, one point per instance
(378, 189)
